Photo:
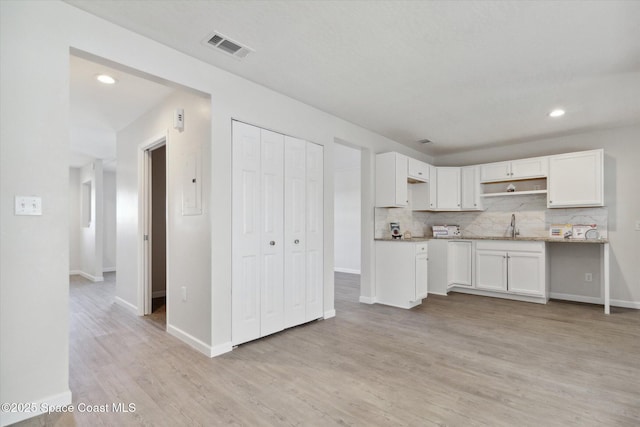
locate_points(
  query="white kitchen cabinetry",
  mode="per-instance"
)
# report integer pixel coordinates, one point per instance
(418, 171)
(401, 273)
(448, 189)
(276, 270)
(514, 170)
(576, 179)
(470, 191)
(391, 180)
(511, 267)
(459, 258)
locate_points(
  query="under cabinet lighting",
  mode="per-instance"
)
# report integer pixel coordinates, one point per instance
(106, 79)
(558, 112)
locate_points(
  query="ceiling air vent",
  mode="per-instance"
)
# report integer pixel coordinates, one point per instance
(425, 141)
(228, 46)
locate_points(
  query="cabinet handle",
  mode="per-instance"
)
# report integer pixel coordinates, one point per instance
(296, 241)
(272, 243)
(419, 173)
(550, 201)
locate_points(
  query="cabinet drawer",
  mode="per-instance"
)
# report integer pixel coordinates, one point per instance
(508, 245)
(421, 248)
(418, 170)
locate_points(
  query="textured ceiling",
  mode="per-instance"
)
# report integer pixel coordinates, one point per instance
(463, 74)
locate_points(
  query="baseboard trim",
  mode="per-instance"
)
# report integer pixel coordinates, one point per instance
(108, 270)
(219, 349)
(625, 304)
(86, 275)
(595, 300)
(126, 304)
(346, 270)
(576, 298)
(192, 341)
(158, 294)
(444, 294)
(367, 300)
(40, 406)
(514, 297)
(329, 314)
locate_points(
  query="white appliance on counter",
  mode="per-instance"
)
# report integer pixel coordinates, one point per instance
(445, 231)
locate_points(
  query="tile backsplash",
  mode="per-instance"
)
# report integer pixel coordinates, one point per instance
(533, 219)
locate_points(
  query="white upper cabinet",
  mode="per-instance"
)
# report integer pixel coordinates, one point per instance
(514, 170)
(576, 179)
(471, 188)
(448, 189)
(391, 180)
(418, 171)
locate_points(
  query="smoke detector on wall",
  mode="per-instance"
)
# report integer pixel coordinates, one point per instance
(224, 44)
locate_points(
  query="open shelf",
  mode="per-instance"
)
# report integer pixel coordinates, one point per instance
(513, 193)
(522, 187)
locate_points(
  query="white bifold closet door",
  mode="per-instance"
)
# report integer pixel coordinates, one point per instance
(277, 266)
(258, 263)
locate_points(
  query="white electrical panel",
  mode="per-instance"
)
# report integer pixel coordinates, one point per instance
(28, 205)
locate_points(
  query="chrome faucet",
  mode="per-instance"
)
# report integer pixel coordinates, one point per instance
(514, 233)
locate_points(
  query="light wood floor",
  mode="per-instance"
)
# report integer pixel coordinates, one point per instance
(460, 360)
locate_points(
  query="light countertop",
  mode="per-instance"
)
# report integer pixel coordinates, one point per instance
(517, 239)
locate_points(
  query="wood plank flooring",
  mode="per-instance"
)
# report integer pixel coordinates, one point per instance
(460, 360)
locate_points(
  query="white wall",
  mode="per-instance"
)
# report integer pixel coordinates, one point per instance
(347, 215)
(34, 251)
(188, 237)
(74, 220)
(622, 190)
(109, 221)
(91, 237)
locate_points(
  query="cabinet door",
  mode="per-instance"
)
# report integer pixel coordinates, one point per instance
(422, 277)
(470, 188)
(433, 187)
(391, 180)
(448, 189)
(491, 270)
(459, 264)
(529, 168)
(294, 231)
(526, 273)
(271, 240)
(495, 172)
(576, 179)
(418, 170)
(314, 223)
(246, 227)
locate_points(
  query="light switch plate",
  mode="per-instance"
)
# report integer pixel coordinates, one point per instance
(28, 205)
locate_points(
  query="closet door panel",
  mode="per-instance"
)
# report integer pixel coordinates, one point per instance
(294, 231)
(314, 232)
(272, 233)
(246, 231)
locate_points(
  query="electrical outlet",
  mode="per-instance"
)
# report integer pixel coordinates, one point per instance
(184, 293)
(588, 277)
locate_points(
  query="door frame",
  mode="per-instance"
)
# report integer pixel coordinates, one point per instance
(144, 220)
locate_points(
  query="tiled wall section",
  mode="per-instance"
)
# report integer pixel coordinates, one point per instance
(533, 219)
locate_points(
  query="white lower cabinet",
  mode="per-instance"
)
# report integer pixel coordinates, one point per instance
(459, 259)
(511, 268)
(401, 273)
(277, 228)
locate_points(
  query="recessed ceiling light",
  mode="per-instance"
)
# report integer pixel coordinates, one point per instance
(558, 112)
(106, 79)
